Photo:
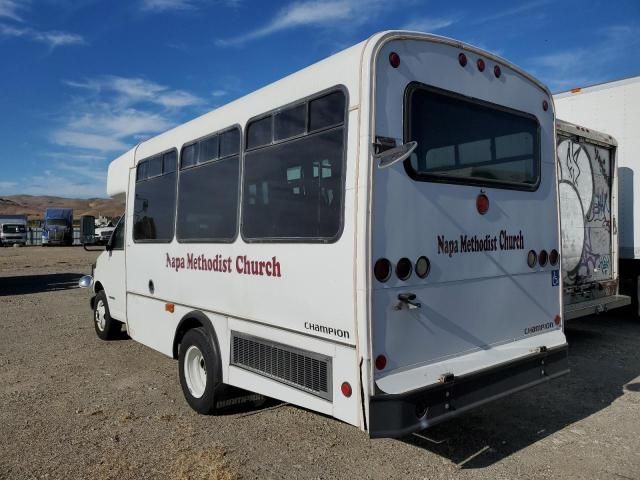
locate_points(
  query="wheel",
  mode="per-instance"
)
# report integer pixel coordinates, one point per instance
(199, 369)
(106, 327)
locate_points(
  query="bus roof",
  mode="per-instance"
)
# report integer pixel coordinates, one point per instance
(342, 68)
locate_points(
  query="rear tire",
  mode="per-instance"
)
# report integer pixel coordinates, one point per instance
(199, 370)
(106, 327)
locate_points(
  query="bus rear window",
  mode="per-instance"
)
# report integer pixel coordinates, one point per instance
(461, 140)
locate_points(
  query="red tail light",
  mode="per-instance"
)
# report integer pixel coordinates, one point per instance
(346, 389)
(553, 257)
(496, 71)
(545, 105)
(382, 270)
(482, 204)
(394, 59)
(542, 258)
(480, 64)
(404, 268)
(381, 362)
(557, 320)
(462, 58)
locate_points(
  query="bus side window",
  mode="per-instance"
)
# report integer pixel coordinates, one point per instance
(208, 189)
(155, 199)
(293, 187)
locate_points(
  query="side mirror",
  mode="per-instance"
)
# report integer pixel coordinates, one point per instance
(395, 155)
(87, 230)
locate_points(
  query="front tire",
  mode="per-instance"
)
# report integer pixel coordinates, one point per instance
(199, 369)
(106, 327)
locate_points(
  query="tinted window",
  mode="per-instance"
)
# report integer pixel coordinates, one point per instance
(154, 205)
(189, 155)
(208, 201)
(290, 122)
(326, 111)
(169, 161)
(293, 190)
(462, 140)
(230, 142)
(208, 149)
(154, 167)
(141, 171)
(259, 132)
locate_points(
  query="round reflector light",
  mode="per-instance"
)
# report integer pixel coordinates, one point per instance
(381, 362)
(394, 59)
(545, 105)
(482, 204)
(382, 270)
(346, 389)
(557, 320)
(462, 58)
(404, 268)
(543, 258)
(532, 258)
(553, 257)
(496, 71)
(423, 266)
(480, 64)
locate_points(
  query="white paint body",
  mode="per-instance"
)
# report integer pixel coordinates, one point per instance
(12, 237)
(613, 108)
(476, 307)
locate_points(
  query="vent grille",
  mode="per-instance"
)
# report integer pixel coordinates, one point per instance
(305, 370)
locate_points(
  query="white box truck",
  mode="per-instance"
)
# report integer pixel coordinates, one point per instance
(614, 108)
(13, 230)
(588, 194)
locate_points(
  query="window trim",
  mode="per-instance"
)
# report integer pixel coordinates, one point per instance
(133, 217)
(469, 181)
(345, 147)
(124, 234)
(219, 159)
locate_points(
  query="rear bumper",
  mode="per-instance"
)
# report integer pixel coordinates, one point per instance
(396, 415)
(595, 306)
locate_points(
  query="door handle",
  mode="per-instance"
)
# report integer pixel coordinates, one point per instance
(407, 300)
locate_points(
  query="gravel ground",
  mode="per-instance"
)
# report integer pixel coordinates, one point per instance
(73, 406)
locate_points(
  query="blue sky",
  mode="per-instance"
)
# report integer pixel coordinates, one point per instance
(84, 80)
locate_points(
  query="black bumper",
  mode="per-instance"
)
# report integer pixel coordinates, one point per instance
(398, 415)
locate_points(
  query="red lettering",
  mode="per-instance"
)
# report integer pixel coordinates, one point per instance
(267, 267)
(239, 265)
(276, 267)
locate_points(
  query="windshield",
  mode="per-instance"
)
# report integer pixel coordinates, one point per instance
(462, 140)
(56, 222)
(13, 229)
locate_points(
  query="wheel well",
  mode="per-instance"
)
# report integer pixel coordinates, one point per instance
(98, 287)
(189, 321)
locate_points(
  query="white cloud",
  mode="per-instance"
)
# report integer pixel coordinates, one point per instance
(160, 6)
(88, 141)
(316, 13)
(427, 24)
(523, 7)
(51, 38)
(8, 185)
(589, 64)
(11, 8)
(164, 5)
(129, 91)
(219, 93)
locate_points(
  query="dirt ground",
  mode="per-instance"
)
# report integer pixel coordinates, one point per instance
(73, 406)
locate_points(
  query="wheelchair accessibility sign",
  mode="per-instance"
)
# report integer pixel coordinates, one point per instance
(555, 278)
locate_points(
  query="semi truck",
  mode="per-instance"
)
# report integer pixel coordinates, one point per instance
(58, 227)
(614, 109)
(588, 195)
(13, 230)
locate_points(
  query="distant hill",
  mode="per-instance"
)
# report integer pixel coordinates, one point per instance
(34, 206)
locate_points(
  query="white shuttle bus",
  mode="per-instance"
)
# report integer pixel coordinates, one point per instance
(374, 237)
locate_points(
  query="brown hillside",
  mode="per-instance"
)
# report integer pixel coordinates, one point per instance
(34, 206)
